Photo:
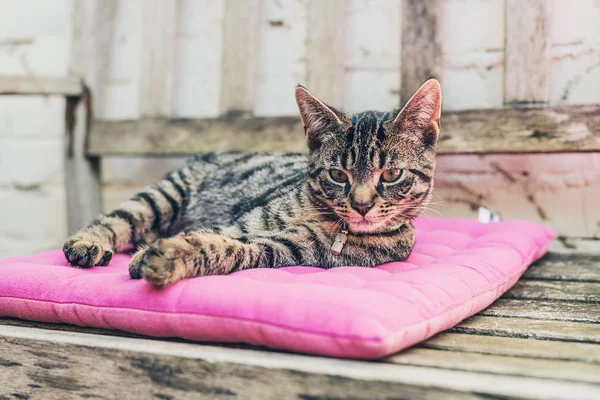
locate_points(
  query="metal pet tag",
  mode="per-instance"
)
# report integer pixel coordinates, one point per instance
(339, 242)
(486, 216)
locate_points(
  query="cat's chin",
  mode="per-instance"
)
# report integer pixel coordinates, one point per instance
(366, 226)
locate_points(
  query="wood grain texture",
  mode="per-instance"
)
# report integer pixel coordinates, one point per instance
(57, 365)
(35, 85)
(281, 57)
(530, 328)
(93, 23)
(559, 129)
(93, 30)
(240, 41)
(572, 267)
(542, 309)
(421, 44)
(555, 290)
(158, 18)
(527, 52)
(515, 347)
(499, 364)
(325, 49)
(575, 245)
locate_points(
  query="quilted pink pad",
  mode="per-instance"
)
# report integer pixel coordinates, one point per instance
(457, 268)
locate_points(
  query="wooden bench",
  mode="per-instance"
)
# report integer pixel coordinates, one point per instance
(540, 340)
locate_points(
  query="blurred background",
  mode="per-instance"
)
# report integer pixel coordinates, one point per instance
(168, 58)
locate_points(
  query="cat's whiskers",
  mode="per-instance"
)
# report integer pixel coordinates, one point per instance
(437, 194)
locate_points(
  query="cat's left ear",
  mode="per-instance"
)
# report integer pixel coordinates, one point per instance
(317, 118)
(422, 112)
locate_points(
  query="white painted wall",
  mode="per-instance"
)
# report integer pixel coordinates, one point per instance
(560, 190)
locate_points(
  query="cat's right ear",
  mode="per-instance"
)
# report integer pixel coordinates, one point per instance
(316, 116)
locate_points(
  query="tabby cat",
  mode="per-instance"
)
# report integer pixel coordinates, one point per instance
(349, 202)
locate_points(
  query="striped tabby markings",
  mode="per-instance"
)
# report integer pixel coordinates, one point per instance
(139, 220)
(192, 254)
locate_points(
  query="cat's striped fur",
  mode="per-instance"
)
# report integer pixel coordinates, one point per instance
(231, 211)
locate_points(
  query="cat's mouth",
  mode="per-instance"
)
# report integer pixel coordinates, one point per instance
(365, 225)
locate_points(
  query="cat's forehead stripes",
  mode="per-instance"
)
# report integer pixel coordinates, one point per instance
(363, 140)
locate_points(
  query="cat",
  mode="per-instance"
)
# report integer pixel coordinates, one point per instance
(349, 202)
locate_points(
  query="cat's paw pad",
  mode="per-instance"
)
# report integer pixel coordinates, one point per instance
(86, 253)
(161, 264)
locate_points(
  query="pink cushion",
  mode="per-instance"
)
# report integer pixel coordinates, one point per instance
(457, 268)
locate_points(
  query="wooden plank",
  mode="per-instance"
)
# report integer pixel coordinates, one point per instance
(421, 44)
(576, 245)
(93, 23)
(527, 52)
(324, 55)
(530, 328)
(558, 129)
(90, 54)
(495, 364)
(555, 290)
(517, 347)
(173, 137)
(507, 346)
(159, 18)
(111, 332)
(573, 267)
(281, 59)
(37, 85)
(67, 365)
(240, 41)
(541, 309)
(513, 130)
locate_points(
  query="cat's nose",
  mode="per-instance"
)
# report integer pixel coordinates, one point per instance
(362, 208)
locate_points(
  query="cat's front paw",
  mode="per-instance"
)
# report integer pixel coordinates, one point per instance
(164, 262)
(85, 253)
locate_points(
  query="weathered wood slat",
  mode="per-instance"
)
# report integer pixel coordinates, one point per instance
(531, 328)
(573, 267)
(555, 290)
(517, 347)
(93, 31)
(541, 309)
(58, 365)
(559, 129)
(93, 23)
(421, 44)
(496, 364)
(507, 346)
(575, 245)
(159, 18)
(527, 52)
(239, 55)
(37, 85)
(324, 43)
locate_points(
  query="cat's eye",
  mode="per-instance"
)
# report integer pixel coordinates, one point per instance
(338, 175)
(391, 175)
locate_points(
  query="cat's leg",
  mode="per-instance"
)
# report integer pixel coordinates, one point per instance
(140, 220)
(208, 253)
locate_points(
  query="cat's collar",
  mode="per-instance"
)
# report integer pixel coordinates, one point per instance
(340, 239)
